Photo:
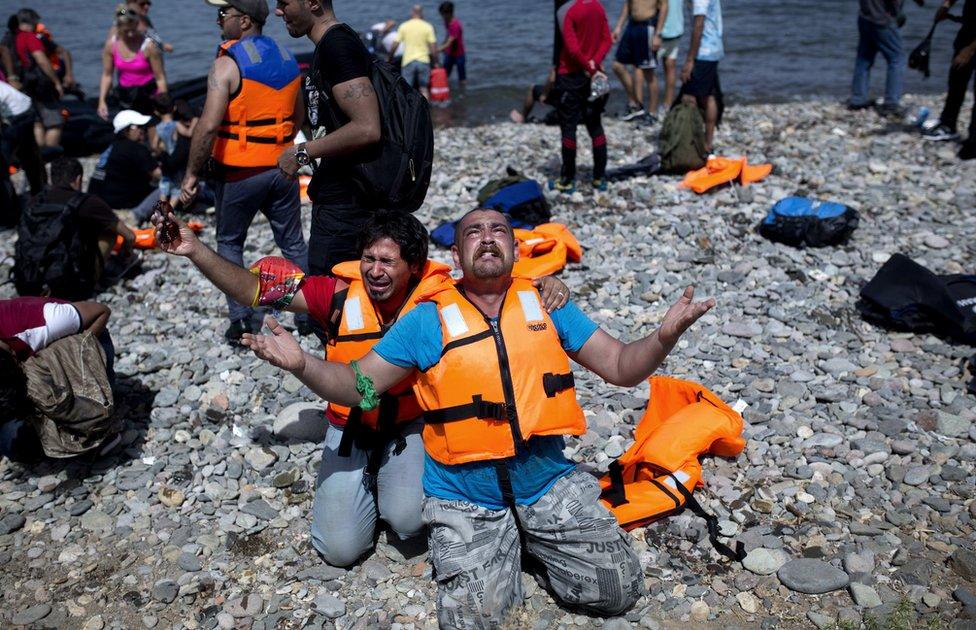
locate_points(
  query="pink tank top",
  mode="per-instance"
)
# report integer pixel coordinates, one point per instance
(133, 72)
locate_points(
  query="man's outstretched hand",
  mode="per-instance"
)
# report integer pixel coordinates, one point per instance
(183, 245)
(279, 348)
(681, 316)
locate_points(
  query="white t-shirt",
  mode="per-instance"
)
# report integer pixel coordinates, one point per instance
(12, 101)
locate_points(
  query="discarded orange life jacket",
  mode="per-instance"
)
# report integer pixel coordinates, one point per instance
(146, 237)
(722, 170)
(659, 472)
(257, 126)
(440, 90)
(498, 382)
(361, 328)
(545, 250)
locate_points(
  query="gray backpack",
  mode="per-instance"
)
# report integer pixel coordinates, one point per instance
(682, 140)
(69, 388)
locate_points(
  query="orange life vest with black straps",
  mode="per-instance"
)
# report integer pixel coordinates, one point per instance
(499, 382)
(360, 328)
(658, 474)
(257, 126)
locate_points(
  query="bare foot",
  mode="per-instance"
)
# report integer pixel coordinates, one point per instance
(516, 116)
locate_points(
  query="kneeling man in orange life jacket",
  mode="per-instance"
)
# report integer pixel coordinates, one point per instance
(497, 394)
(371, 461)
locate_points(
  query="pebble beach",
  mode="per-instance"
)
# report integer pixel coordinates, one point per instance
(855, 495)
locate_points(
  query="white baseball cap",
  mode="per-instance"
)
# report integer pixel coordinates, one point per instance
(128, 118)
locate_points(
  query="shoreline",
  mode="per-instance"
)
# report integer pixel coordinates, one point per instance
(861, 447)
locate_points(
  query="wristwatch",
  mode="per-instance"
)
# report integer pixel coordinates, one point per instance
(302, 156)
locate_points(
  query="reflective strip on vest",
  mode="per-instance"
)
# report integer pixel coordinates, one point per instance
(530, 306)
(452, 318)
(352, 314)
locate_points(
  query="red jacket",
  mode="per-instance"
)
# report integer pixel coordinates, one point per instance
(582, 36)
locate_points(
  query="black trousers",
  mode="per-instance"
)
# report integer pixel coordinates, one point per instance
(956, 94)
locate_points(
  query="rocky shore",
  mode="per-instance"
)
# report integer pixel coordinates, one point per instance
(854, 496)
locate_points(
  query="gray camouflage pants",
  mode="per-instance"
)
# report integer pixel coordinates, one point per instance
(476, 554)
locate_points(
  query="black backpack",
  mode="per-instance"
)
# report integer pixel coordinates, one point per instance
(396, 173)
(904, 295)
(51, 257)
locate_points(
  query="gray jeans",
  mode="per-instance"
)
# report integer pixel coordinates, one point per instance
(476, 552)
(344, 512)
(276, 197)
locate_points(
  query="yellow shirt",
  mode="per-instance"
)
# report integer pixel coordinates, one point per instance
(416, 36)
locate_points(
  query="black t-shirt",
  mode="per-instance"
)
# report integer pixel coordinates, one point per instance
(340, 57)
(128, 174)
(94, 215)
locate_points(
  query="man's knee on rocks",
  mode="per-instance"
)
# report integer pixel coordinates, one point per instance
(341, 550)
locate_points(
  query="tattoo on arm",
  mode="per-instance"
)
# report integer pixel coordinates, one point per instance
(212, 78)
(357, 91)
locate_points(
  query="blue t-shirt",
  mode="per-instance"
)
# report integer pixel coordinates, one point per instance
(674, 24)
(710, 48)
(416, 341)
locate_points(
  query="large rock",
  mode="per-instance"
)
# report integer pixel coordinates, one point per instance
(765, 561)
(301, 421)
(963, 562)
(813, 577)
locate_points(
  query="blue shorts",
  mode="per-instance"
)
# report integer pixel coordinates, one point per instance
(417, 74)
(450, 61)
(634, 48)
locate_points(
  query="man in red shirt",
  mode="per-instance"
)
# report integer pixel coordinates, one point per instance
(453, 46)
(40, 80)
(582, 40)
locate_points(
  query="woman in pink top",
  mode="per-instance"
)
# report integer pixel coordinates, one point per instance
(139, 63)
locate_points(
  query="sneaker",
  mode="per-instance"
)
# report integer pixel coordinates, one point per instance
(649, 119)
(633, 113)
(304, 327)
(237, 329)
(565, 186)
(852, 106)
(968, 150)
(940, 133)
(600, 185)
(891, 111)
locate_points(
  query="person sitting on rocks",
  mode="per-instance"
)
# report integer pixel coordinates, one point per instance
(372, 461)
(498, 397)
(27, 326)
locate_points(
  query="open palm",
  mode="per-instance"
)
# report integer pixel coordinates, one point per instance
(279, 348)
(682, 315)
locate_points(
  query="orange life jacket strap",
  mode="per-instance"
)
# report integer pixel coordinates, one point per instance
(711, 521)
(358, 337)
(260, 122)
(477, 408)
(616, 494)
(257, 140)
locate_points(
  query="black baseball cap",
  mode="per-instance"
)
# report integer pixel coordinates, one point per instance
(257, 10)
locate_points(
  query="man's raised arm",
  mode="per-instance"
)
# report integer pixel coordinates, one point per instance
(237, 282)
(335, 382)
(627, 364)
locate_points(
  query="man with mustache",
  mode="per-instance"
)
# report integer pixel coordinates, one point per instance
(498, 396)
(371, 462)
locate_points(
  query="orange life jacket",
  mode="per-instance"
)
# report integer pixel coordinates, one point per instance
(360, 328)
(257, 125)
(545, 249)
(659, 472)
(498, 383)
(722, 170)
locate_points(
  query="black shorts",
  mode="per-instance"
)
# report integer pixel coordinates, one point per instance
(574, 104)
(703, 82)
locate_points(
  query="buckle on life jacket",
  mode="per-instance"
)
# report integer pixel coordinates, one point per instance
(477, 408)
(555, 383)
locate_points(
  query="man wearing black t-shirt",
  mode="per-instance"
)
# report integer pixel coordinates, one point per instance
(338, 210)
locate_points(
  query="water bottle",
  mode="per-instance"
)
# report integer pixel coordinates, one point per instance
(922, 116)
(599, 86)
